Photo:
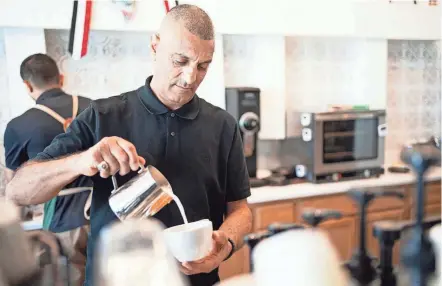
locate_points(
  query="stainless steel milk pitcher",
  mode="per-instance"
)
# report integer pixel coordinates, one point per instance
(142, 196)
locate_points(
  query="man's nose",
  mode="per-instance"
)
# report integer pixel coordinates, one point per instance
(189, 75)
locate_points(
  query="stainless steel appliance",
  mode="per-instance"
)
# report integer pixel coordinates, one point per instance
(342, 145)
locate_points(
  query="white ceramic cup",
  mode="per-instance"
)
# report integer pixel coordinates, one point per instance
(190, 242)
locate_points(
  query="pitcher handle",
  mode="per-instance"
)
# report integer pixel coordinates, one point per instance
(104, 165)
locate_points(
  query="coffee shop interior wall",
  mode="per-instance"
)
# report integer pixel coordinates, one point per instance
(403, 76)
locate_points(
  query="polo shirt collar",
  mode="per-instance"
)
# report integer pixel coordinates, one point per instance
(51, 93)
(188, 111)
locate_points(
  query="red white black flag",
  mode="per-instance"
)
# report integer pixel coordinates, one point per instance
(169, 4)
(80, 25)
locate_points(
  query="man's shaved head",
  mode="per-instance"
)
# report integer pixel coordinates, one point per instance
(194, 19)
(182, 51)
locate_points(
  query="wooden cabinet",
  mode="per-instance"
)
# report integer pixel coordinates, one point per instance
(236, 265)
(432, 199)
(343, 232)
(342, 235)
(372, 242)
(265, 215)
(433, 209)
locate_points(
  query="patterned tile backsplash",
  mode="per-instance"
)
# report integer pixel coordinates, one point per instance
(116, 62)
(4, 107)
(319, 71)
(413, 93)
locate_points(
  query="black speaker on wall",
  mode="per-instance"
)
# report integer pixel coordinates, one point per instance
(243, 104)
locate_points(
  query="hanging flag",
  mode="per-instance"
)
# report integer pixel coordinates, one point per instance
(80, 25)
(127, 7)
(169, 4)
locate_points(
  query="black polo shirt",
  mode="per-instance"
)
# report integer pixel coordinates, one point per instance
(29, 134)
(197, 147)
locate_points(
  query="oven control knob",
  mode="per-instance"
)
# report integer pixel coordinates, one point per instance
(300, 171)
(306, 119)
(335, 177)
(306, 134)
(367, 173)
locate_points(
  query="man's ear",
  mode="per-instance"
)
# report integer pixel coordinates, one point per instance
(61, 80)
(28, 86)
(154, 41)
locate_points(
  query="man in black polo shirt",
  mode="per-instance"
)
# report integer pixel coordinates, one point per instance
(196, 145)
(30, 133)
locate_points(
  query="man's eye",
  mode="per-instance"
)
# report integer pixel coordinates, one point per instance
(179, 63)
(202, 68)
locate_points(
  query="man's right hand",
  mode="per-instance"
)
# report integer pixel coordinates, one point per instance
(119, 154)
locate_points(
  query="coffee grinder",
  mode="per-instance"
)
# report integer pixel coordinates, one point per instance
(243, 104)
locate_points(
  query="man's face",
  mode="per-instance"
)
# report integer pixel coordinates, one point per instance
(181, 63)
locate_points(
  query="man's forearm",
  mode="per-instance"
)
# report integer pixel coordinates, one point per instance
(237, 224)
(38, 182)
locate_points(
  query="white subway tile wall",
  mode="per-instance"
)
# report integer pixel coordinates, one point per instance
(319, 71)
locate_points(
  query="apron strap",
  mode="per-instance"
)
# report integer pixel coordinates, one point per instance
(52, 113)
(74, 106)
(57, 116)
(87, 205)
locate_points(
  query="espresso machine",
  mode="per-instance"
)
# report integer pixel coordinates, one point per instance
(244, 105)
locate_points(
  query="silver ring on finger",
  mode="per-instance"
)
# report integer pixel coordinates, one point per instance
(103, 166)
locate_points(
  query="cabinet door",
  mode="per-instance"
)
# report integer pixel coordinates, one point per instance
(265, 215)
(432, 200)
(236, 265)
(433, 209)
(372, 242)
(341, 233)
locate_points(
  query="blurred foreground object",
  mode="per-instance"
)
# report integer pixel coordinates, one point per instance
(17, 263)
(134, 253)
(299, 256)
(436, 240)
(302, 257)
(417, 254)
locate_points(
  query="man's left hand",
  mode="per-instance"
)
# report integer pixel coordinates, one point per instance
(221, 249)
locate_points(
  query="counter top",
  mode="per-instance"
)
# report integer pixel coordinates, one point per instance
(303, 190)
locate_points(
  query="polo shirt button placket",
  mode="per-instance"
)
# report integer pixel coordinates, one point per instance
(172, 133)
